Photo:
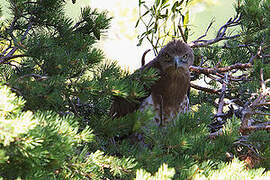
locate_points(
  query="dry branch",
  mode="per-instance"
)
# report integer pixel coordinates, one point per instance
(143, 57)
(182, 33)
(6, 59)
(251, 109)
(208, 90)
(36, 76)
(256, 128)
(221, 35)
(10, 55)
(207, 71)
(221, 104)
(222, 96)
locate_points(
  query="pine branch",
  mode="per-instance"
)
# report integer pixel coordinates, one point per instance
(10, 55)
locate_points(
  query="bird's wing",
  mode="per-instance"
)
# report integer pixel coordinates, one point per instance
(121, 106)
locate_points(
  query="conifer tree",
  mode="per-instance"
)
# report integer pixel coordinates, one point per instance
(51, 61)
(44, 145)
(235, 67)
(46, 53)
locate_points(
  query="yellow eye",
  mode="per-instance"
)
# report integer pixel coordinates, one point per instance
(167, 56)
(185, 56)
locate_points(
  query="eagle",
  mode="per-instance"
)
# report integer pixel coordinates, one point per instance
(168, 96)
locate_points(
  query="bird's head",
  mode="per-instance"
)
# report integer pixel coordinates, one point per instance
(175, 56)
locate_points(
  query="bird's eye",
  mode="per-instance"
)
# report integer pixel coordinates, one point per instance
(185, 56)
(167, 56)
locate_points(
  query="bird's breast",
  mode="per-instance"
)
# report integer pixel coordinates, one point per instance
(171, 88)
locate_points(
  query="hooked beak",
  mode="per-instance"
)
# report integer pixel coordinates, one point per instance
(178, 62)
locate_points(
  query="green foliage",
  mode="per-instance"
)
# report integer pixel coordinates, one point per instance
(164, 173)
(161, 21)
(45, 145)
(235, 170)
(188, 142)
(60, 70)
(62, 129)
(110, 81)
(255, 29)
(13, 123)
(260, 140)
(56, 51)
(184, 145)
(255, 19)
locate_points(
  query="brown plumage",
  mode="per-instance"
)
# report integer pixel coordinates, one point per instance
(168, 95)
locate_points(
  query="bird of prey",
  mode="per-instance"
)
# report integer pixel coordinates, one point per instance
(168, 96)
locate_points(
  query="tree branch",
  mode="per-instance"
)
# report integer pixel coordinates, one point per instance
(5, 58)
(143, 57)
(207, 71)
(10, 55)
(221, 104)
(221, 35)
(250, 109)
(36, 76)
(182, 33)
(208, 90)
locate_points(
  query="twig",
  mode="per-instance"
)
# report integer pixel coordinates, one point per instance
(205, 34)
(262, 104)
(222, 96)
(221, 104)
(252, 59)
(255, 128)
(204, 43)
(201, 70)
(5, 51)
(4, 59)
(37, 76)
(182, 33)
(250, 109)
(77, 24)
(9, 56)
(250, 147)
(143, 57)
(215, 134)
(212, 91)
(73, 107)
(221, 35)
